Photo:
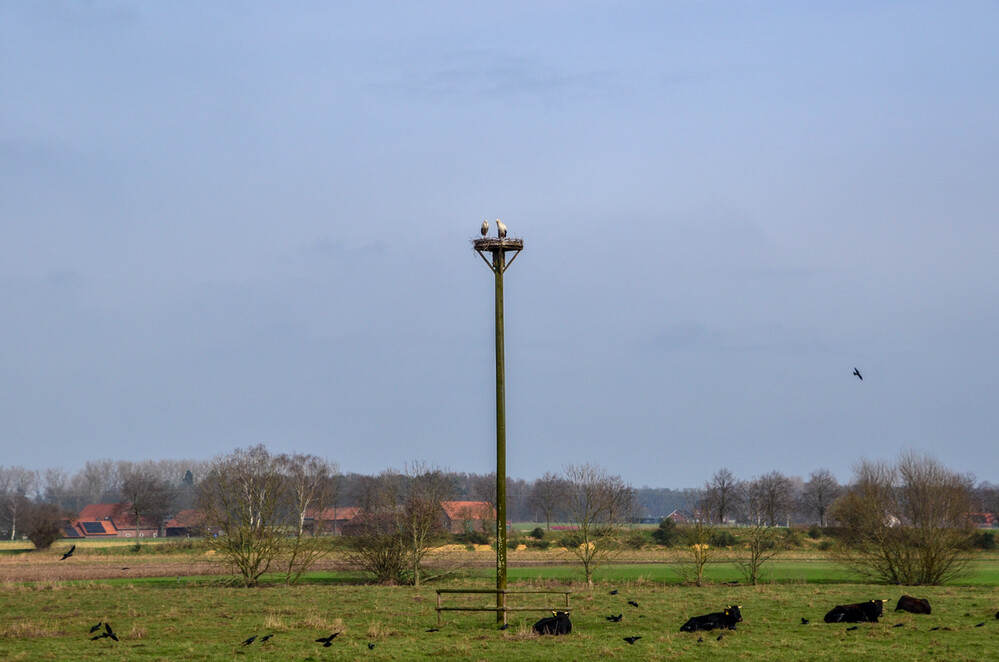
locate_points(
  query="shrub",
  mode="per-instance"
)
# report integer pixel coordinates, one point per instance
(815, 532)
(472, 538)
(538, 533)
(793, 538)
(666, 534)
(985, 540)
(825, 545)
(635, 539)
(538, 544)
(722, 538)
(43, 525)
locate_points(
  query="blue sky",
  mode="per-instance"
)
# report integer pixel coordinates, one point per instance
(224, 224)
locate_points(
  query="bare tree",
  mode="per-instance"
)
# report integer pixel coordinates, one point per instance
(906, 523)
(762, 540)
(721, 495)
(244, 497)
(146, 496)
(597, 504)
(548, 495)
(772, 495)
(15, 484)
(820, 492)
(422, 517)
(694, 551)
(311, 489)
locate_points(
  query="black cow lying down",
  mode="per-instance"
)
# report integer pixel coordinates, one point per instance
(719, 619)
(913, 605)
(863, 612)
(557, 624)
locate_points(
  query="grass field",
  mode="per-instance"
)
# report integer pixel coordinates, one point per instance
(163, 618)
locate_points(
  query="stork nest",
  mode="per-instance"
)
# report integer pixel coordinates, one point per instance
(491, 244)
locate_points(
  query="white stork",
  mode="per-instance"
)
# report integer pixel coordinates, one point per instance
(485, 228)
(501, 229)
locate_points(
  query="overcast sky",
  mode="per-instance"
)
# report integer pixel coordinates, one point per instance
(224, 224)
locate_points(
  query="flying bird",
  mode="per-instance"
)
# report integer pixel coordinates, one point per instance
(614, 619)
(250, 640)
(632, 640)
(109, 632)
(69, 553)
(96, 628)
(327, 641)
(857, 373)
(485, 228)
(500, 229)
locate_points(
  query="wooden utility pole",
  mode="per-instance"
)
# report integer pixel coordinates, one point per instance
(499, 248)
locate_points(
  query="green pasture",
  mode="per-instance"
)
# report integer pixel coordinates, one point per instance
(205, 619)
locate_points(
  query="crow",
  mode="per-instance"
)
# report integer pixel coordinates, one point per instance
(109, 632)
(250, 640)
(69, 553)
(265, 637)
(614, 592)
(433, 630)
(700, 640)
(632, 640)
(857, 373)
(804, 621)
(720, 637)
(614, 619)
(371, 646)
(899, 625)
(632, 603)
(505, 626)
(933, 629)
(980, 625)
(327, 641)
(96, 628)
(855, 627)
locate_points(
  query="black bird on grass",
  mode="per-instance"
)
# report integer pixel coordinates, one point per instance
(857, 373)
(899, 625)
(804, 621)
(371, 646)
(632, 603)
(505, 626)
(855, 627)
(327, 641)
(433, 630)
(700, 640)
(632, 640)
(96, 628)
(250, 640)
(980, 625)
(614, 592)
(265, 637)
(69, 553)
(614, 619)
(934, 629)
(720, 637)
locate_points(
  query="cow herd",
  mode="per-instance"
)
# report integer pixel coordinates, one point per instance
(860, 612)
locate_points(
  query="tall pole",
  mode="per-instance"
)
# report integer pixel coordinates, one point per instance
(499, 264)
(498, 248)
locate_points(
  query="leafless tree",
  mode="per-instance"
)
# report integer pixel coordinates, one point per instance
(597, 504)
(311, 488)
(98, 481)
(548, 495)
(694, 551)
(820, 491)
(721, 495)
(145, 495)
(15, 484)
(762, 541)
(244, 497)
(771, 494)
(906, 523)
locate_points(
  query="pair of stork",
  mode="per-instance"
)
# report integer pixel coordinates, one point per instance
(500, 228)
